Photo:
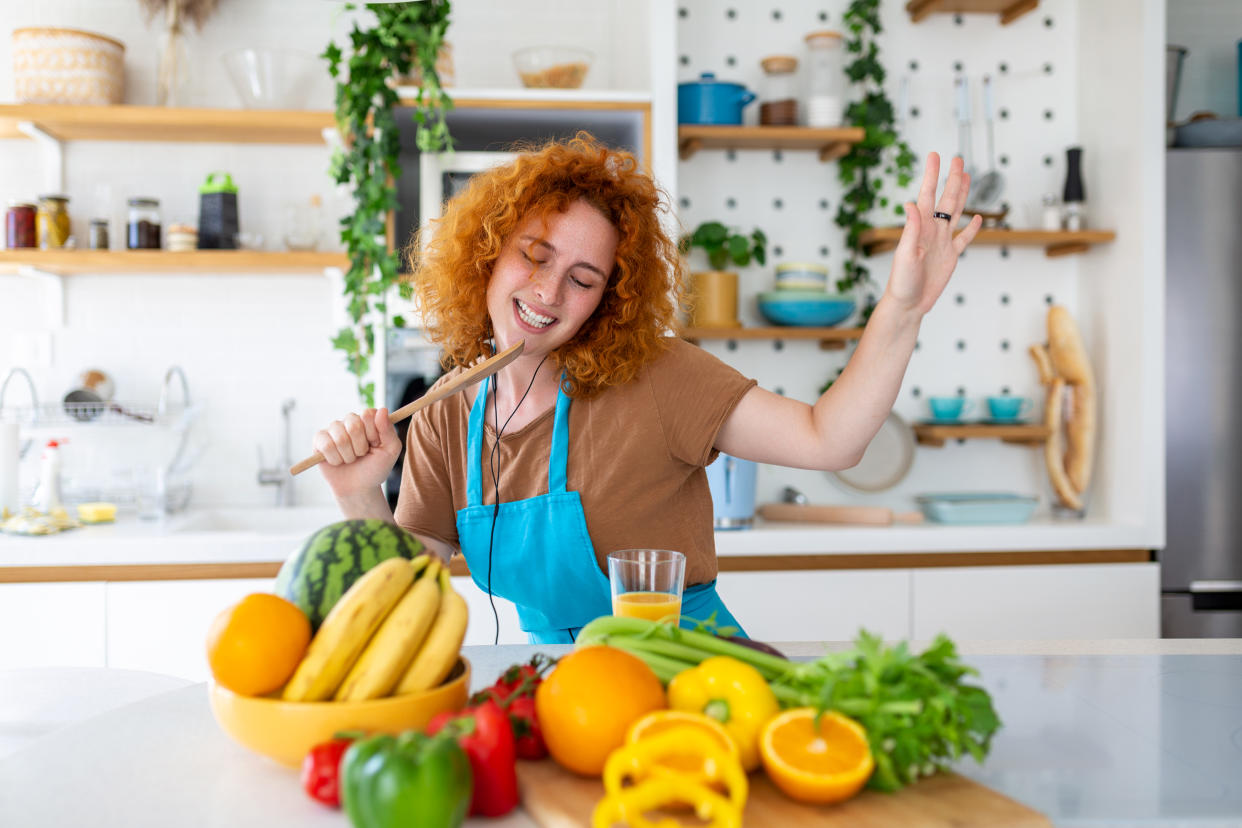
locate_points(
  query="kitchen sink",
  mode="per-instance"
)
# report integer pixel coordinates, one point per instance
(293, 520)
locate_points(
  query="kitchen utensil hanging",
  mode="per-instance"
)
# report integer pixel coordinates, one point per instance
(887, 460)
(989, 187)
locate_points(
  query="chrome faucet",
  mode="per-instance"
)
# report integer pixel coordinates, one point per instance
(278, 475)
(34, 399)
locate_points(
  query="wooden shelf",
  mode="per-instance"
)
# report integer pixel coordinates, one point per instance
(830, 143)
(1055, 242)
(1007, 10)
(933, 434)
(830, 339)
(167, 261)
(158, 123)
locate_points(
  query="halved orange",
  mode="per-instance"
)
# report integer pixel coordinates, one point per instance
(823, 763)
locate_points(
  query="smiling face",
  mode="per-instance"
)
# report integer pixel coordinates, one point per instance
(550, 278)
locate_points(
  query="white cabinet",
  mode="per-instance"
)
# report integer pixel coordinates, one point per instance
(818, 605)
(52, 625)
(161, 626)
(1074, 601)
(482, 626)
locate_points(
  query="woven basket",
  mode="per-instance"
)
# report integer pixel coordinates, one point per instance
(67, 66)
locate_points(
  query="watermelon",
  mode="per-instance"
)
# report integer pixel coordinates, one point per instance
(317, 575)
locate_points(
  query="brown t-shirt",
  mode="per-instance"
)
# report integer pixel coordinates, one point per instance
(636, 457)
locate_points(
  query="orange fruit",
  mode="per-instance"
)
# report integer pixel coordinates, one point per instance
(254, 646)
(818, 764)
(587, 703)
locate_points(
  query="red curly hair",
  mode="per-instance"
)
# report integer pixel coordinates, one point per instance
(644, 290)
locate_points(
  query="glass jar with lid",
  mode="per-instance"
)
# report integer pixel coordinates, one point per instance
(778, 96)
(52, 221)
(19, 225)
(143, 224)
(825, 79)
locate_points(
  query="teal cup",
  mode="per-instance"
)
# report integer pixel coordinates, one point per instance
(949, 408)
(1008, 408)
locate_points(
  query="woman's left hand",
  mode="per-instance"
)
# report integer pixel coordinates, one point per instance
(928, 250)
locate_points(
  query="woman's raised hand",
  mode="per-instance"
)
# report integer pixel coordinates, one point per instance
(358, 452)
(928, 250)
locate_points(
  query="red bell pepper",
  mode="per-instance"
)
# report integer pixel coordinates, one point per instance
(321, 770)
(484, 732)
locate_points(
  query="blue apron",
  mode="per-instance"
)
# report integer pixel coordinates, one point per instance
(542, 558)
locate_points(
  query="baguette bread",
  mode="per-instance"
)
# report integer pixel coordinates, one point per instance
(1069, 360)
(1053, 451)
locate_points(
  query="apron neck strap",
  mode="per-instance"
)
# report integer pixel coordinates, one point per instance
(558, 458)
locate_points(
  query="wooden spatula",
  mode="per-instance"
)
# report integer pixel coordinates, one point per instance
(463, 380)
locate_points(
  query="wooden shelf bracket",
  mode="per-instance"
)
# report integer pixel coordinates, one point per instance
(54, 287)
(53, 155)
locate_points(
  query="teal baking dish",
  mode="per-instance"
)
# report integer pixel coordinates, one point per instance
(976, 507)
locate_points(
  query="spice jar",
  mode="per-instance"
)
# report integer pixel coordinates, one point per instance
(825, 87)
(778, 96)
(19, 225)
(52, 221)
(143, 225)
(98, 236)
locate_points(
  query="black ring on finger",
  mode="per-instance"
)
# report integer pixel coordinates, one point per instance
(941, 215)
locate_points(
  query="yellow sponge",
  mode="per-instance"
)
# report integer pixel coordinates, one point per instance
(97, 512)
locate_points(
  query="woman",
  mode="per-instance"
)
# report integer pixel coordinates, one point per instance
(605, 423)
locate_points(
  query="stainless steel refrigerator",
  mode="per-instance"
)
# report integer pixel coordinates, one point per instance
(1201, 566)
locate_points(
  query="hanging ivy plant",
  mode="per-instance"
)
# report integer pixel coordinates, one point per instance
(405, 37)
(881, 153)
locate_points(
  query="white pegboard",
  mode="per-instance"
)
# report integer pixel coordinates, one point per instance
(974, 342)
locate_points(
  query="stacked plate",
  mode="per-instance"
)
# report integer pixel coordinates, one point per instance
(802, 299)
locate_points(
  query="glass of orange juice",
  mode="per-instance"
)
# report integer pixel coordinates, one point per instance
(647, 583)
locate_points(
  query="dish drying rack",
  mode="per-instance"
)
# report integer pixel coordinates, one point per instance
(124, 420)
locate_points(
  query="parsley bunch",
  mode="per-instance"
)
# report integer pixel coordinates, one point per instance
(918, 713)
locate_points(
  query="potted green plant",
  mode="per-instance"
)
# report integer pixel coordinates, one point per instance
(712, 294)
(404, 37)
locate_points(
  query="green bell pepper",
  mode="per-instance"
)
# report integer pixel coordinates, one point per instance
(406, 780)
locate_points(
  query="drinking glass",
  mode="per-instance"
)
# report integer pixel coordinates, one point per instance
(647, 583)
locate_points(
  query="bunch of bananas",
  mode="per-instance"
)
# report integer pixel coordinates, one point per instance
(397, 630)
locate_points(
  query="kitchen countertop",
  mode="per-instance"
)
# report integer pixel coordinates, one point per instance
(257, 535)
(1096, 734)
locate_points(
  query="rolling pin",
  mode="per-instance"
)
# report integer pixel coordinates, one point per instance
(867, 515)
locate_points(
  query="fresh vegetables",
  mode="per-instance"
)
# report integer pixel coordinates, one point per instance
(411, 779)
(918, 712)
(731, 692)
(638, 778)
(514, 691)
(483, 731)
(321, 769)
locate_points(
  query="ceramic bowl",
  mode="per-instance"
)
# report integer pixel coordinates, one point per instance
(284, 731)
(67, 66)
(805, 308)
(552, 67)
(801, 276)
(976, 507)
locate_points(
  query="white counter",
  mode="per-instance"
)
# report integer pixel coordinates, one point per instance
(242, 535)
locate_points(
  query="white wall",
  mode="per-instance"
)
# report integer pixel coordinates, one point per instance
(245, 341)
(1210, 29)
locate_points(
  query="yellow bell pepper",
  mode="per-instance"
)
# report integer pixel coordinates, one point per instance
(630, 805)
(733, 693)
(648, 758)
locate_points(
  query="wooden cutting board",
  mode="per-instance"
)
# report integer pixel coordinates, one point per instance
(556, 798)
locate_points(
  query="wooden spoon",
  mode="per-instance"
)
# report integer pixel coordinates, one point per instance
(465, 379)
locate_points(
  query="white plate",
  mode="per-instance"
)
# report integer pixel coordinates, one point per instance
(887, 460)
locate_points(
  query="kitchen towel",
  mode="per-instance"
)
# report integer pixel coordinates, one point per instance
(9, 448)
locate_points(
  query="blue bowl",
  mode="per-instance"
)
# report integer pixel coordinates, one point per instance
(976, 507)
(805, 308)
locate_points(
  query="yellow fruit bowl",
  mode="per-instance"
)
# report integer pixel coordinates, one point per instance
(285, 731)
